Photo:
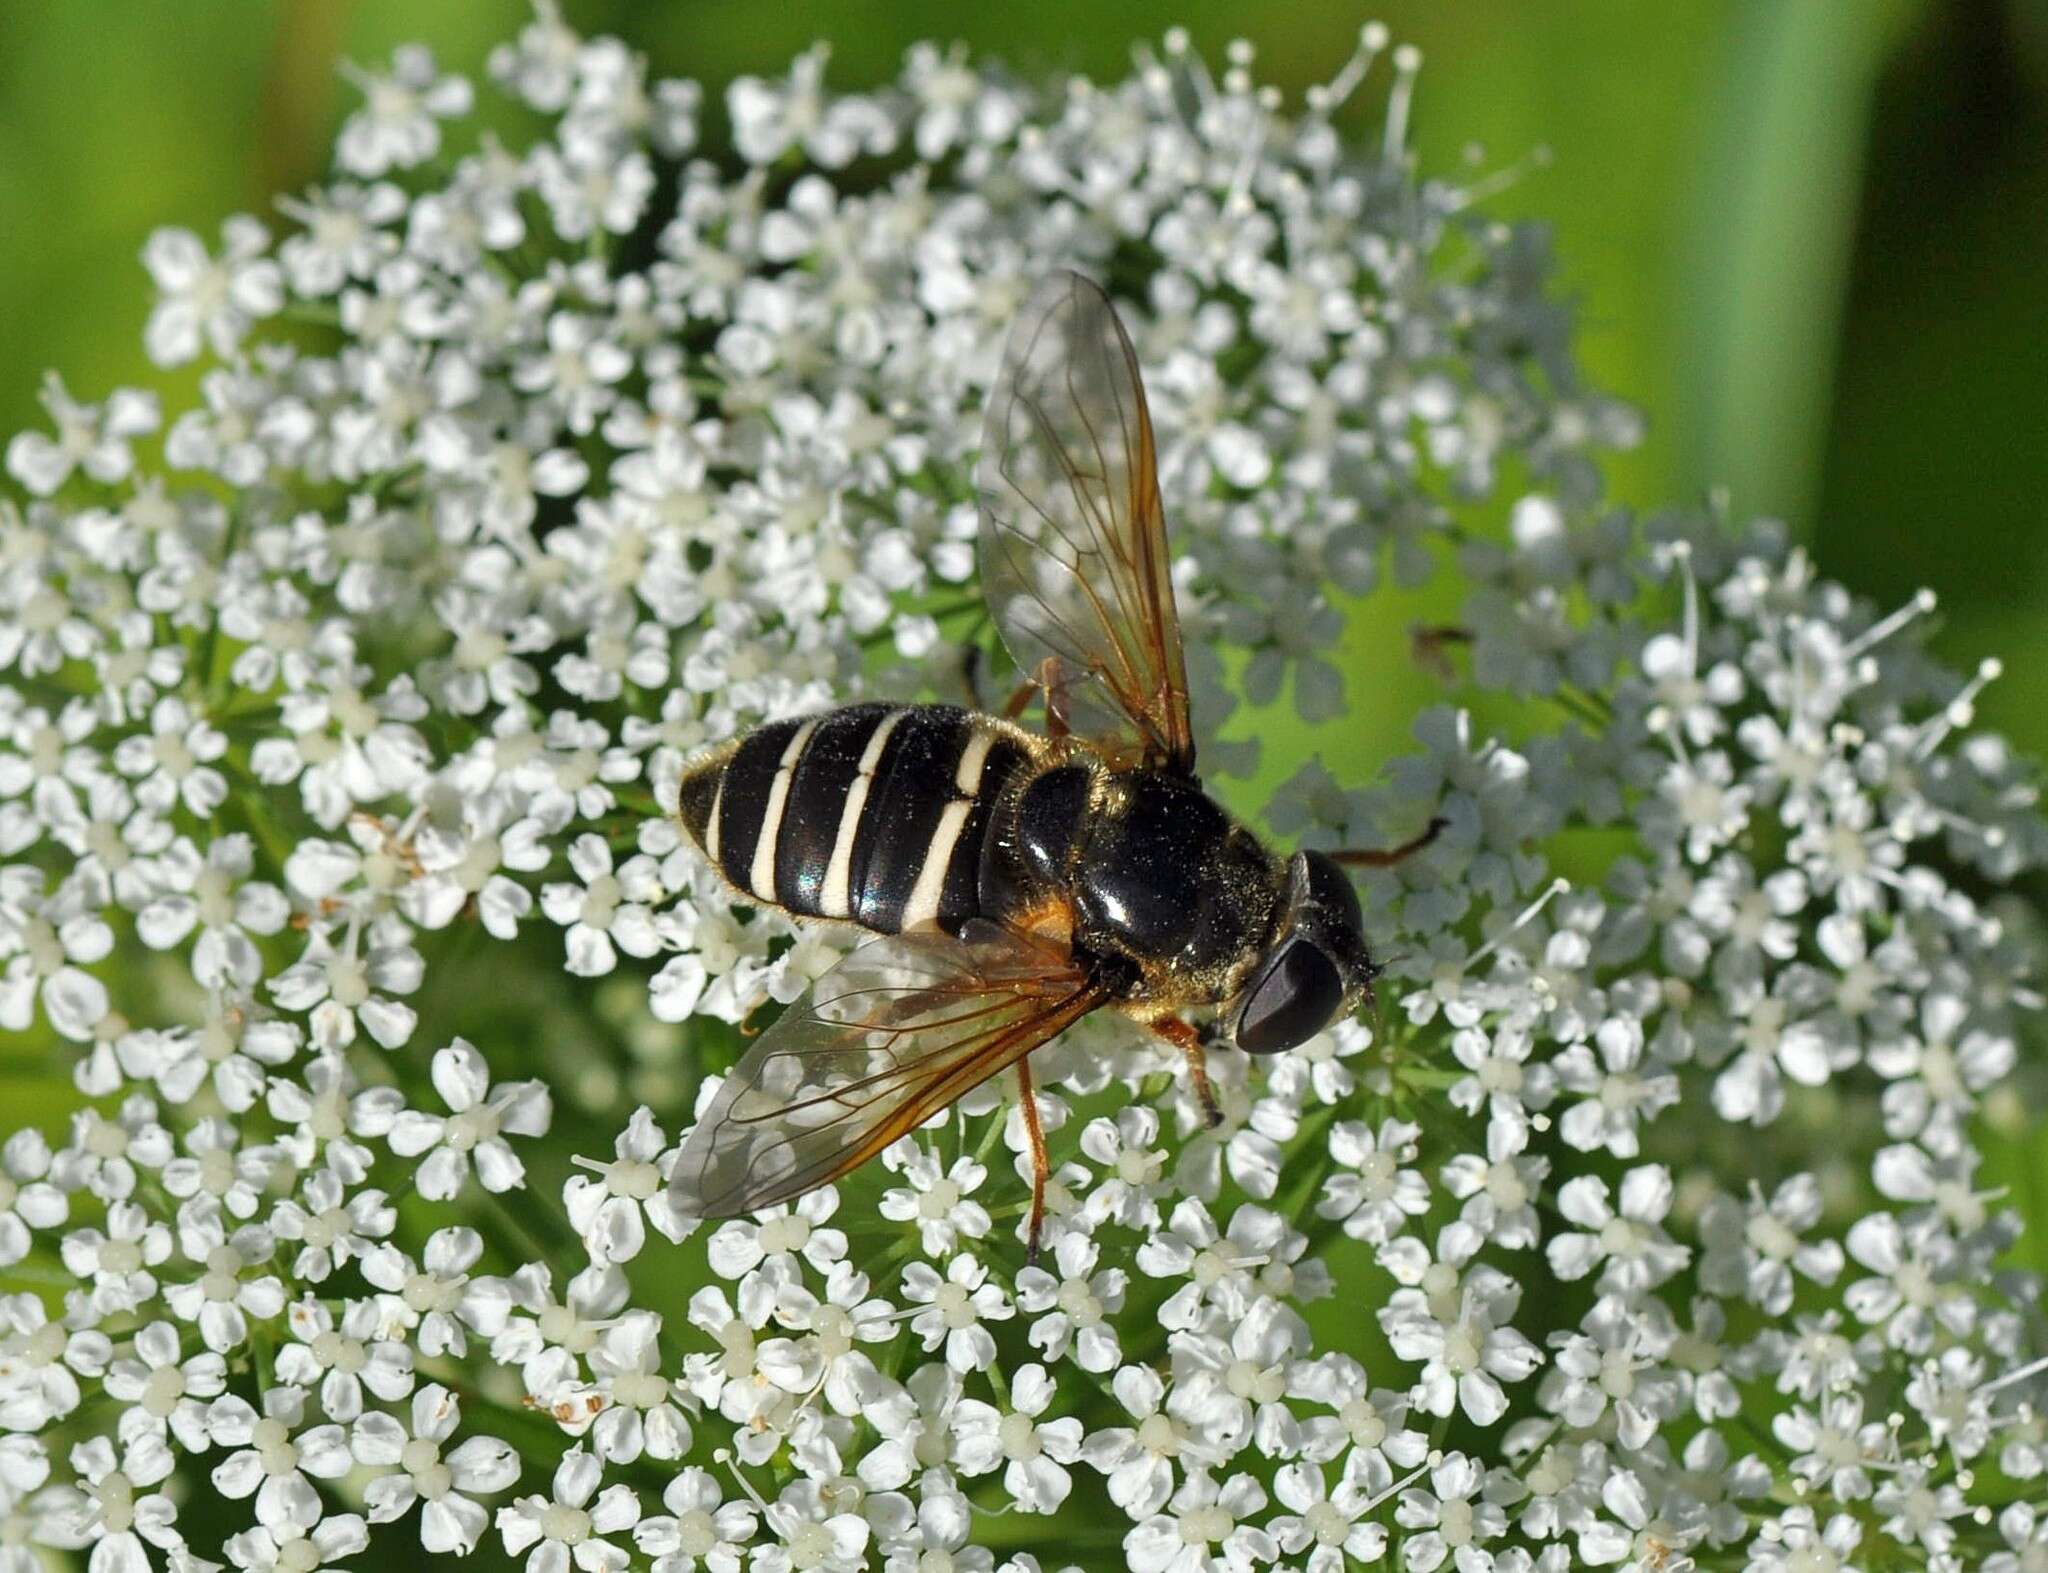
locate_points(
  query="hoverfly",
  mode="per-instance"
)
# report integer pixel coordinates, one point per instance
(1017, 881)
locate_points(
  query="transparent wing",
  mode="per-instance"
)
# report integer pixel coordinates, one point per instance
(1073, 540)
(897, 1031)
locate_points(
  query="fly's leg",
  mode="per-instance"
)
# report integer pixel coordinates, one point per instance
(1191, 1044)
(1387, 857)
(1034, 1133)
(971, 659)
(1055, 687)
(1047, 681)
(1429, 647)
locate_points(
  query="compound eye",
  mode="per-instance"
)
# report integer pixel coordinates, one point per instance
(1330, 886)
(1291, 1001)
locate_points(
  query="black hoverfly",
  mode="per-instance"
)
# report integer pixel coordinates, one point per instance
(1018, 881)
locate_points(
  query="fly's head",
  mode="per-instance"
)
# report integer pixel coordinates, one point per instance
(1315, 969)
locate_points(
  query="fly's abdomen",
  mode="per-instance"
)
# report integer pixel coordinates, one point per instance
(874, 814)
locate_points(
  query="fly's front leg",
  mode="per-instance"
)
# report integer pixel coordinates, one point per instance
(1034, 1134)
(1387, 857)
(1190, 1042)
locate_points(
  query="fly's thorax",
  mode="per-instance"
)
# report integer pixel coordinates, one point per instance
(1162, 877)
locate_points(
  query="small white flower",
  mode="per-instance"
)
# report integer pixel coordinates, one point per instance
(331, 1225)
(828, 1357)
(28, 1201)
(1615, 1094)
(204, 301)
(1205, 1531)
(1329, 1525)
(342, 1358)
(955, 1308)
(1130, 1190)
(225, 1297)
(1835, 1447)
(91, 439)
(1912, 1291)
(612, 1211)
(53, 946)
(1075, 1310)
(1452, 1515)
(1752, 1249)
(607, 910)
(226, 906)
(700, 1527)
(1612, 1362)
(1030, 1451)
(538, 1321)
(1238, 1372)
(341, 987)
(165, 1393)
(275, 1458)
(1465, 1361)
(112, 1508)
(570, 1527)
(811, 1535)
(1174, 1428)
(435, 1300)
(1374, 1201)
(1628, 1238)
(939, 1201)
(779, 1237)
(1797, 1539)
(42, 1364)
(444, 1481)
(286, 1548)
(119, 1261)
(473, 1132)
(640, 1414)
(398, 125)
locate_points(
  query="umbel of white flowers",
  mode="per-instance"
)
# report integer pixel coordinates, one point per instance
(338, 718)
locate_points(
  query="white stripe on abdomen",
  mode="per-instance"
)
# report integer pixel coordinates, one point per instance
(711, 829)
(834, 900)
(923, 906)
(762, 876)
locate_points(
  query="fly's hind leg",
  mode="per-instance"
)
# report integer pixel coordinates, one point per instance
(970, 676)
(1193, 1048)
(1019, 701)
(1048, 681)
(1054, 682)
(1034, 1134)
(1429, 646)
(1387, 857)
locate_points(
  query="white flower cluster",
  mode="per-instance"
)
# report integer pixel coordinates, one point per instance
(337, 717)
